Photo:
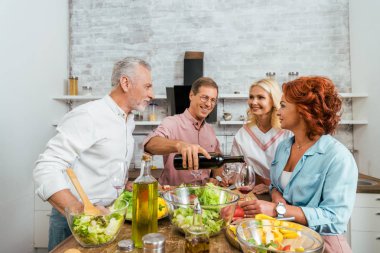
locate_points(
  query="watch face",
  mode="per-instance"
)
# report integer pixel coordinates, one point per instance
(281, 209)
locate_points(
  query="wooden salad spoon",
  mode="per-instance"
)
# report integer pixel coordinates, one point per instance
(89, 208)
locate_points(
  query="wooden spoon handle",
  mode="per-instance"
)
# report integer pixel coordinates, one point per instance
(78, 186)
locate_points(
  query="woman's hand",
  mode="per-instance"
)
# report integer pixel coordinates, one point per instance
(253, 207)
(260, 189)
(277, 196)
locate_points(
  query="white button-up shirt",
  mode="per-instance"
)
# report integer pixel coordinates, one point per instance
(96, 133)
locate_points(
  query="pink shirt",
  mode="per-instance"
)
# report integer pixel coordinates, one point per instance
(185, 128)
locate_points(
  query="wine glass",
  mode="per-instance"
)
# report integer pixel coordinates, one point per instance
(228, 171)
(197, 176)
(118, 175)
(245, 180)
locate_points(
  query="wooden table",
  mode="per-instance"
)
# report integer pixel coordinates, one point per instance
(175, 241)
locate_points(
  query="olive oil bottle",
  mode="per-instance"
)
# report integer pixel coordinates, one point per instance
(144, 212)
(197, 236)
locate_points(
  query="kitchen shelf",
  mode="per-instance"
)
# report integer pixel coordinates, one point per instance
(353, 95)
(89, 98)
(342, 122)
(221, 96)
(147, 123)
(245, 96)
(233, 96)
(77, 98)
(69, 100)
(353, 122)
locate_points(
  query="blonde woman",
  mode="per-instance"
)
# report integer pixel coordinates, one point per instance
(257, 140)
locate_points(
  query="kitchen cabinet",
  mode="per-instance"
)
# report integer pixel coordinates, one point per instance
(41, 229)
(365, 223)
(42, 210)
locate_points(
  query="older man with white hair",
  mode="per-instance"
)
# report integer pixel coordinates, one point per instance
(94, 135)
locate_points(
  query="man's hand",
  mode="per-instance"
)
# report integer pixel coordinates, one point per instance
(190, 154)
(62, 199)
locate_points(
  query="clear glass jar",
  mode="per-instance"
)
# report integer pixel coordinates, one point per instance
(73, 86)
(86, 90)
(152, 115)
(271, 75)
(292, 76)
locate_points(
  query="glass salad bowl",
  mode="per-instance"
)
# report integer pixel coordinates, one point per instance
(95, 231)
(218, 207)
(269, 236)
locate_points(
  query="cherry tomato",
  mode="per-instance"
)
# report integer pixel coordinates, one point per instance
(239, 212)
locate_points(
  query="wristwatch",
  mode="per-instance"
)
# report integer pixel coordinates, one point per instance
(281, 210)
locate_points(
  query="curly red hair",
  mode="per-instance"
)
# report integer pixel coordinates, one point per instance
(318, 102)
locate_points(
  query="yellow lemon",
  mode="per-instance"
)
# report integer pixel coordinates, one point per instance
(261, 216)
(300, 249)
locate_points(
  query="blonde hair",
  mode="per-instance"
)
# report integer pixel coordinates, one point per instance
(272, 87)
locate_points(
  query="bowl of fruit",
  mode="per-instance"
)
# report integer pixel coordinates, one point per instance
(270, 235)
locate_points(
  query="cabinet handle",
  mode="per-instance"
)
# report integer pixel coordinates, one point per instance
(377, 199)
(377, 213)
(48, 215)
(377, 238)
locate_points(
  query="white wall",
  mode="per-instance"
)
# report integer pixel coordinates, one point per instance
(365, 66)
(33, 68)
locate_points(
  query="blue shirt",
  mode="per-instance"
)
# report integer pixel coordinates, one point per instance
(323, 183)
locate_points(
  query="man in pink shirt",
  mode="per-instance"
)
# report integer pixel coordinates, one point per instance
(188, 134)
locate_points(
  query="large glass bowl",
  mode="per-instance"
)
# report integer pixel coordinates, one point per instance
(267, 236)
(218, 207)
(95, 231)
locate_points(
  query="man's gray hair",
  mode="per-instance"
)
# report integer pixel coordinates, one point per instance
(127, 67)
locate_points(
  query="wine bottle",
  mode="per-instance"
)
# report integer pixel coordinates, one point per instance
(216, 161)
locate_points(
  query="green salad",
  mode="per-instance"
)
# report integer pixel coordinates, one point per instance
(127, 197)
(97, 230)
(207, 196)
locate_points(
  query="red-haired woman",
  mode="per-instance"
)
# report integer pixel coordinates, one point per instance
(313, 176)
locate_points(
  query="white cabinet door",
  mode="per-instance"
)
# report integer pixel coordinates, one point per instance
(41, 229)
(365, 219)
(365, 242)
(367, 200)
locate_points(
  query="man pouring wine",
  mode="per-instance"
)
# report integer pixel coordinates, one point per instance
(187, 134)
